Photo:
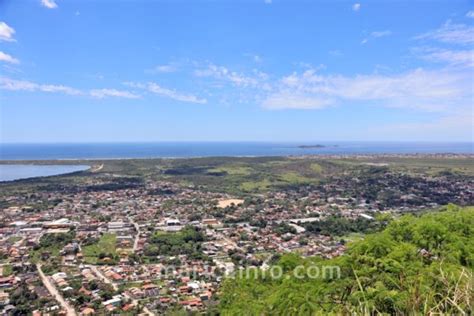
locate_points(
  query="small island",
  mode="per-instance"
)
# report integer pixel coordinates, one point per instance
(311, 146)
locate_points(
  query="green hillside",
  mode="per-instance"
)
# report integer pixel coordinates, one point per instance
(416, 265)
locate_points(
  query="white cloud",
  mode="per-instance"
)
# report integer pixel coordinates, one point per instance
(168, 68)
(451, 57)
(381, 33)
(268, 1)
(59, 88)
(417, 89)
(376, 34)
(237, 79)
(6, 32)
(17, 85)
(136, 85)
(356, 7)
(172, 94)
(103, 93)
(470, 14)
(288, 100)
(50, 4)
(8, 59)
(23, 85)
(451, 33)
(12, 69)
(165, 92)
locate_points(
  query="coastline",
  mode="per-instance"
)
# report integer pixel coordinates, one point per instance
(183, 150)
(322, 156)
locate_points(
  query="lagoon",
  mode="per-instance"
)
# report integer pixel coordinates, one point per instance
(24, 171)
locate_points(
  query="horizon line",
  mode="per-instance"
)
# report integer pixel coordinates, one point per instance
(301, 142)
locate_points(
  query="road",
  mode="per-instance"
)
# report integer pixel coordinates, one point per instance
(137, 236)
(101, 276)
(54, 293)
(97, 168)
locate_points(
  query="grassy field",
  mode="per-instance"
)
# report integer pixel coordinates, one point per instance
(7, 270)
(251, 186)
(35, 255)
(105, 245)
(296, 178)
(315, 167)
(232, 170)
(14, 239)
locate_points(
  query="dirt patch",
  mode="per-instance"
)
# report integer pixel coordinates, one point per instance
(229, 202)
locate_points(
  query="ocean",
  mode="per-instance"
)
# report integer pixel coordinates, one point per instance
(209, 149)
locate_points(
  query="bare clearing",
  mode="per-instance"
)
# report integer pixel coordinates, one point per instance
(229, 202)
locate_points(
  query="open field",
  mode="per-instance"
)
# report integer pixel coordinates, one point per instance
(106, 246)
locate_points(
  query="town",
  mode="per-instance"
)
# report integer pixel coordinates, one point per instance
(109, 244)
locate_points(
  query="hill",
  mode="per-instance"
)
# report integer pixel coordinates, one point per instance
(416, 265)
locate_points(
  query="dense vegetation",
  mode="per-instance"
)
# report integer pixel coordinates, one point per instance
(58, 239)
(339, 226)
(24, 300)
(187, 241)
(418, 265)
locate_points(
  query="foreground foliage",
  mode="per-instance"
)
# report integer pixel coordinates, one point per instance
(416, 265)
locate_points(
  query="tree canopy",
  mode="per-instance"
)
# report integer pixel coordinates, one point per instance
(416, 265)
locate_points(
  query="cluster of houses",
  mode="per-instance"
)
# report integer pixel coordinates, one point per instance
(22, 286)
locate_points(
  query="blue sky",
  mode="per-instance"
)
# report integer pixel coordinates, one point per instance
(94, 71)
